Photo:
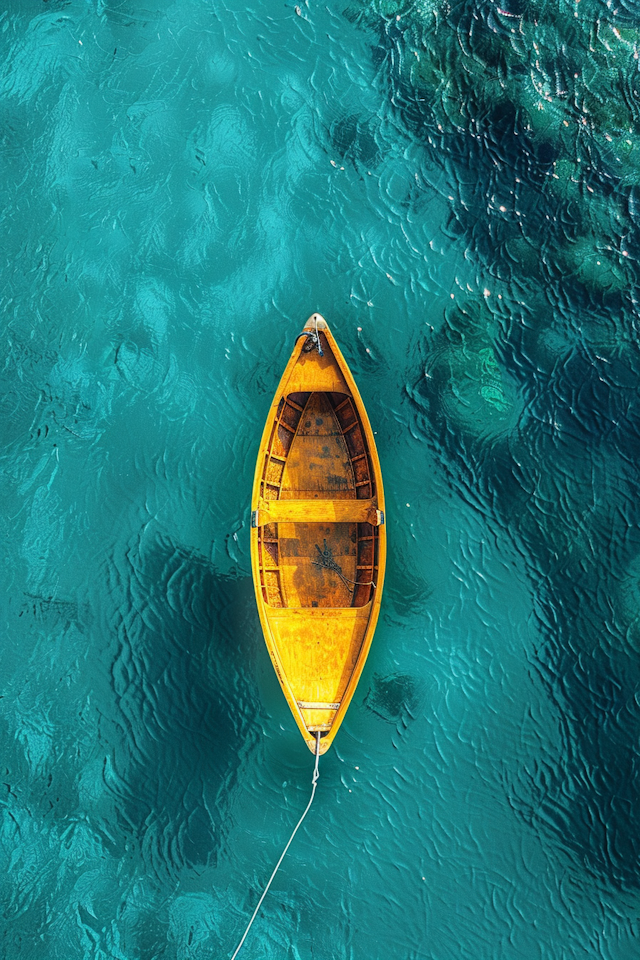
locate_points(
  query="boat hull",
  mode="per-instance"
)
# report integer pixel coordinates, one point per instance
(318, 539)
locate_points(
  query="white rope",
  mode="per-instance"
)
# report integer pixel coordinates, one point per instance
(314, 782)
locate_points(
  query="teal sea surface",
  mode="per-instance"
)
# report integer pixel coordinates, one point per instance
(455, 186)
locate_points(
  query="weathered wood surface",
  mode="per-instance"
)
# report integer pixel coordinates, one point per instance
(317, 511)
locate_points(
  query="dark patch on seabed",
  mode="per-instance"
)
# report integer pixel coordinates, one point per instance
(155, 782)
(354, 140)
(534, 116)
(395, 699)
(184, 698)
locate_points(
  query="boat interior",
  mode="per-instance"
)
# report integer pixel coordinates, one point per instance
(317, 452)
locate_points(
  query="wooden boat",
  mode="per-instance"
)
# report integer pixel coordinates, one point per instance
(318, 541)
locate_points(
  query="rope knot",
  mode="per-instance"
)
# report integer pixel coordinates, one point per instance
(312, 341)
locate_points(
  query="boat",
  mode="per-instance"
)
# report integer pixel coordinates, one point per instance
(318, 537)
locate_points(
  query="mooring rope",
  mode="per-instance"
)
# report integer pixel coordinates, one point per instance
(314, 782)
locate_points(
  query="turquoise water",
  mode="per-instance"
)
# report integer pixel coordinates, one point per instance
(457, 190)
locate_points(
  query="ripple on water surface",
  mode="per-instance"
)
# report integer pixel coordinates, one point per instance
(456, 189)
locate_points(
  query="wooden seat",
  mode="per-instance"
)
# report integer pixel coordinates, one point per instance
(317, 511)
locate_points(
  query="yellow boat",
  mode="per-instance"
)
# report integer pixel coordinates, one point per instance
(318, 540)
